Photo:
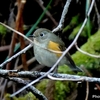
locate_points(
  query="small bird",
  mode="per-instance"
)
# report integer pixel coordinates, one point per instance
(44, 41)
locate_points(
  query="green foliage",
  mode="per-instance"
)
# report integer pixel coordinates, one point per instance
(75, 25)
(42, 85)
(74, 21)
(3, 30)
(92, 46)
(65, 69)
(74, 32)
(63, 89)
(85, 32)
(28, 96)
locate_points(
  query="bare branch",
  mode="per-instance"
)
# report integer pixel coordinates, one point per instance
(16, 32)
(53, 76)
(31, 88)
(61, 23)
(4, 48)
(87, 90)
(19, 27)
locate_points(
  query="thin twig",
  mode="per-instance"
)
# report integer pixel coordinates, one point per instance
(4, 48)
(86, 53)
(16, 32)
(61, 23)
(30, 61)
(63, 79)
(87, 90)
(11, 50)
(47, 12)
(3, 88)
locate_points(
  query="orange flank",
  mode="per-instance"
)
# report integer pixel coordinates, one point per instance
(54, 46)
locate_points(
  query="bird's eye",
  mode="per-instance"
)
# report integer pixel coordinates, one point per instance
(41, 34)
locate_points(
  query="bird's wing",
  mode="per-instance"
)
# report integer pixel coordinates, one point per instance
(55, 47)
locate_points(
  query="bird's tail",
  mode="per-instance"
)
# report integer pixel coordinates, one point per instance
(72, 64)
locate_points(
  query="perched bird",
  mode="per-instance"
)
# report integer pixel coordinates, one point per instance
(44, 41)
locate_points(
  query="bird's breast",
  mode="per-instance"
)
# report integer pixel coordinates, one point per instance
(46, 57)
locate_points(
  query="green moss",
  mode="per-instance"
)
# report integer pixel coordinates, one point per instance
(42, 85)
(28, 96)
(63, 89)
(65, 69)
(91, 46)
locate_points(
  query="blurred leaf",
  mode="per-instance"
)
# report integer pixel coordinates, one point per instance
(3, 30)
(74, 21)
(85, 32)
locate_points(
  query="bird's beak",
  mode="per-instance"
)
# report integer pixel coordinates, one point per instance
(32, 36)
